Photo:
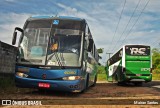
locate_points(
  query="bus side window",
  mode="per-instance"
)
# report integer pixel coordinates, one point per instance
(86, 30)
(90, 46)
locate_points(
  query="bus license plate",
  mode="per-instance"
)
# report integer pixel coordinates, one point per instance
(138, 74)
(44, 85)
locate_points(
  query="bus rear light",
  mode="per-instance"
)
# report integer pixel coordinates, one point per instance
(44, 85)
(128, 77)
(138, 74)
(123, 69)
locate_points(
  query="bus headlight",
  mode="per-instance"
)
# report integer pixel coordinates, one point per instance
(20, 74)
(72, 78)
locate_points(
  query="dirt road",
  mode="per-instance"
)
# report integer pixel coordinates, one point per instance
(102, 94)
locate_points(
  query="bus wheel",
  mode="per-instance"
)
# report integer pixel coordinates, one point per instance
(138, 83)
(95, 80)
(116, 78)
(86, 85)
(87, 81)
(120, 83)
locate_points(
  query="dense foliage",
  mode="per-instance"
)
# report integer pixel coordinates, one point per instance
(156, 61)
(101, 70)
(156, 58)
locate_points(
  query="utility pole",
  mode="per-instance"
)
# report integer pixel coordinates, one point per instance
(109, 54)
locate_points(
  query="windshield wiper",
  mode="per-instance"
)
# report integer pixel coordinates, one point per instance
(57, 59)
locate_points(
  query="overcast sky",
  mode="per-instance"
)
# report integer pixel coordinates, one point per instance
(113, 23)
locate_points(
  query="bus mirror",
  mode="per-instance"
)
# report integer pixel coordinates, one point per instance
(15, 35)
(19, 29)
(90, 46)
(14, 38)
(100, 50)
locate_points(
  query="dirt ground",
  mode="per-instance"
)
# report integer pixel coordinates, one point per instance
(102, 95)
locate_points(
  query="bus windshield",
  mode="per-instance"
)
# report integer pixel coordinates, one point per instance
(64, 50)
(46, 44)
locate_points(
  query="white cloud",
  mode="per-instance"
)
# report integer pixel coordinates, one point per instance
(69, 11)
(9, 0)
(152, 31)
(10, 21)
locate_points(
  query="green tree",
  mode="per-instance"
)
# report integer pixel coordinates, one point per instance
(156, 58)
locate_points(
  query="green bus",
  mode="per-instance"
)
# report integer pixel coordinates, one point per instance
(131, 64)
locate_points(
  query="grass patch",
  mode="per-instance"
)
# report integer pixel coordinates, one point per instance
(101, 77)
(101, 73)
(155, 76)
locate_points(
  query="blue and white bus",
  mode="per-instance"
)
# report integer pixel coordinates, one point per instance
(56, 53)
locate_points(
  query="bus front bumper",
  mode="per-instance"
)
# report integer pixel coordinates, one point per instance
(58, 85)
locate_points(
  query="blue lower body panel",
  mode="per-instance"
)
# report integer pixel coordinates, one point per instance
(60, 85)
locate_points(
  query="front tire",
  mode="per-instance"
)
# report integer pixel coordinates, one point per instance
(86, 85)
(95, 80)
(138, 83)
